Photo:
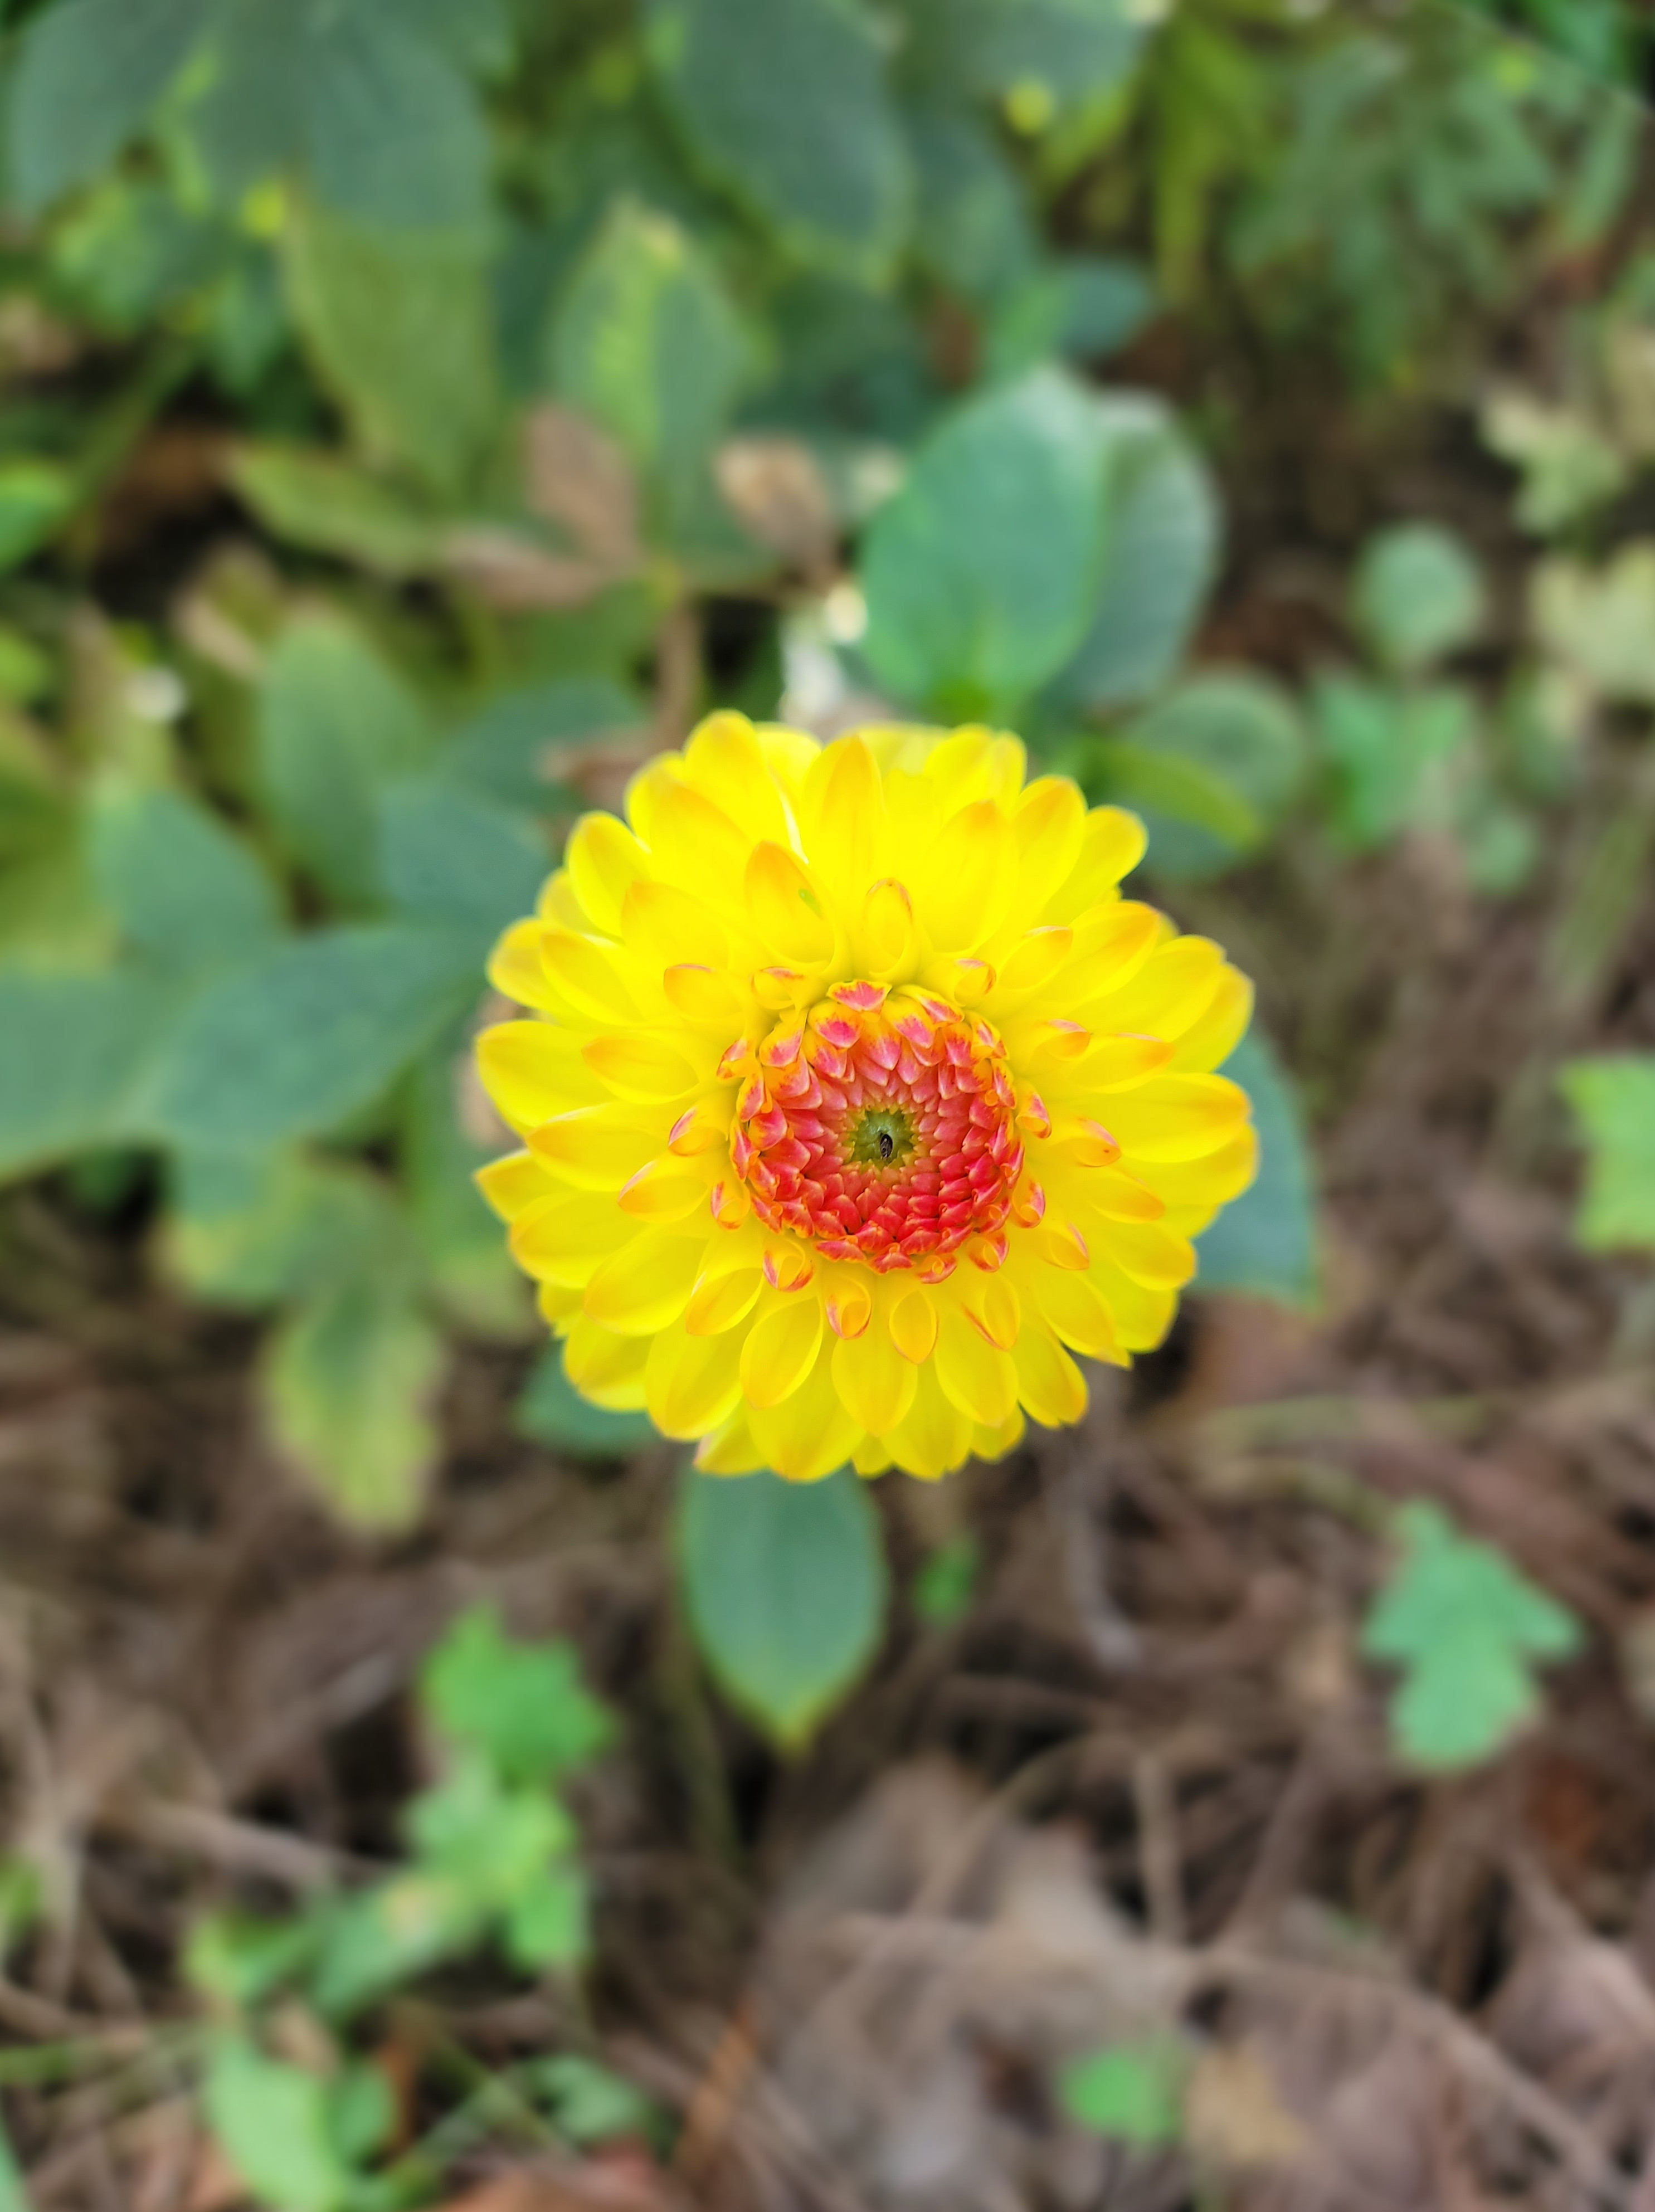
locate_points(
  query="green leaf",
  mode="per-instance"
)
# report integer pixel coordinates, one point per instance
(35, 496)
(375, 1940)
(14, 2196)
(1465, 1627)
(647, 343)
(504, 750)
(291, 1044)
(1264, 1243)
(79, 1050)
(1053, 53)
(551, 1411)
(394, 135)
(252, 1231)
(785, 1585)
(1083, 306)
(348, 1378)
(89, 73)
(1389, 751)
(185, 889)
(399, 327)
(785, 102)
(944, 1585)
(1242, 737)
(549, 1925)
(335, 726)
(274, 2123)
(326, 505)
(980, 573)
(460, 863)
(493, 1839)
(1600, 622)
(1614, 1100)
(1131, 2091)
(973, 229)
(238, 1960)
(468, 1267)
(1159, 561)
(524, 1704)
(1418, 595)
(588, 2103)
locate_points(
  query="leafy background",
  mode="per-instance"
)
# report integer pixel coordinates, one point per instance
(413, 413)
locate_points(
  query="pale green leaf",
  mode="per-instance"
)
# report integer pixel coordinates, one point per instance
(1160, 561)
(273, 2122)
(647, 343)
(349, 1378)
(88, 73)
(1264, 1243)
(1600, 622)
(291, 1044)
(254, 1231)
(185, 890)
(1390, 752)
(980, 573)
(785, 102)
(327, 504)
(1133, 2092)
(523, 1704)
(79, 1051)
(335, 726)
(1466, 1628)
(785, 1585)
(399, 327)
(1614, 1099)
(1418, 595)
(461, 863)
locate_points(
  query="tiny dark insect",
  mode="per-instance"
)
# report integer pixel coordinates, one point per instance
(887, 1144)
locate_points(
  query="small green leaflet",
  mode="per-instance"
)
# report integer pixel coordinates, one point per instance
(524, 1703)
(1132, 2091)
(1466, 1629)
(1614, 1100)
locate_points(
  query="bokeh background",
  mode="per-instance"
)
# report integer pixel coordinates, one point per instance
(419, 1790)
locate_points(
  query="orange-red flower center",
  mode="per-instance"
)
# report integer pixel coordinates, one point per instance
(883, 1129)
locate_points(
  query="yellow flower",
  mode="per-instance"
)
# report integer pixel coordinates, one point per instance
(856, 1098)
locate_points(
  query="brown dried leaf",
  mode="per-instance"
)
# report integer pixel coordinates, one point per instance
(514, 573)
(1233, 2115)
(623, 2180)
(775, 488)
(575, 477)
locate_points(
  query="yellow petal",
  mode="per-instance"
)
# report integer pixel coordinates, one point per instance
(988, 1444)
(719, 1300)
(635, 1065)
(604, 859)
(786, 912)
(993, 1303)
(1208, 1042)
(1075, 1306)
(533, 1070)
(975, 1377)
(962, 886)
(1117, 1196)
(1048, 825)
(514, 1184)
(1048, 1384)
(591, 979)
(726, 762)
(598, 1147)
(566, 1239)
(780, 1348)
(668, 927)
(1175, 986)
(693, 1384)
(558, 1305)
(1177, 1117)
(606, 1368)
(1213, 1180)
(692, 842)
(515, 971)
(870, 1457)
(933, 1436)
(810, 1432)
(730, 1449)
(711, 1001)
(1150, 1253)
(875, 1382)
(1142, 1313)
(646, 1284)
(1112, 843)
(843, 819)
(914, 1324)
(1031, 961)
(666, 1188)
(885, 936)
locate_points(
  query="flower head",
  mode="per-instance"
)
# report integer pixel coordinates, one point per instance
(856, 1099)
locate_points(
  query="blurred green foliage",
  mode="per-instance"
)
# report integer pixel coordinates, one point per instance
(413, 410)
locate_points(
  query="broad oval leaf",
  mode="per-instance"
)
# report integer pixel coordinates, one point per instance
(786, 1588)
(1264, 1243)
